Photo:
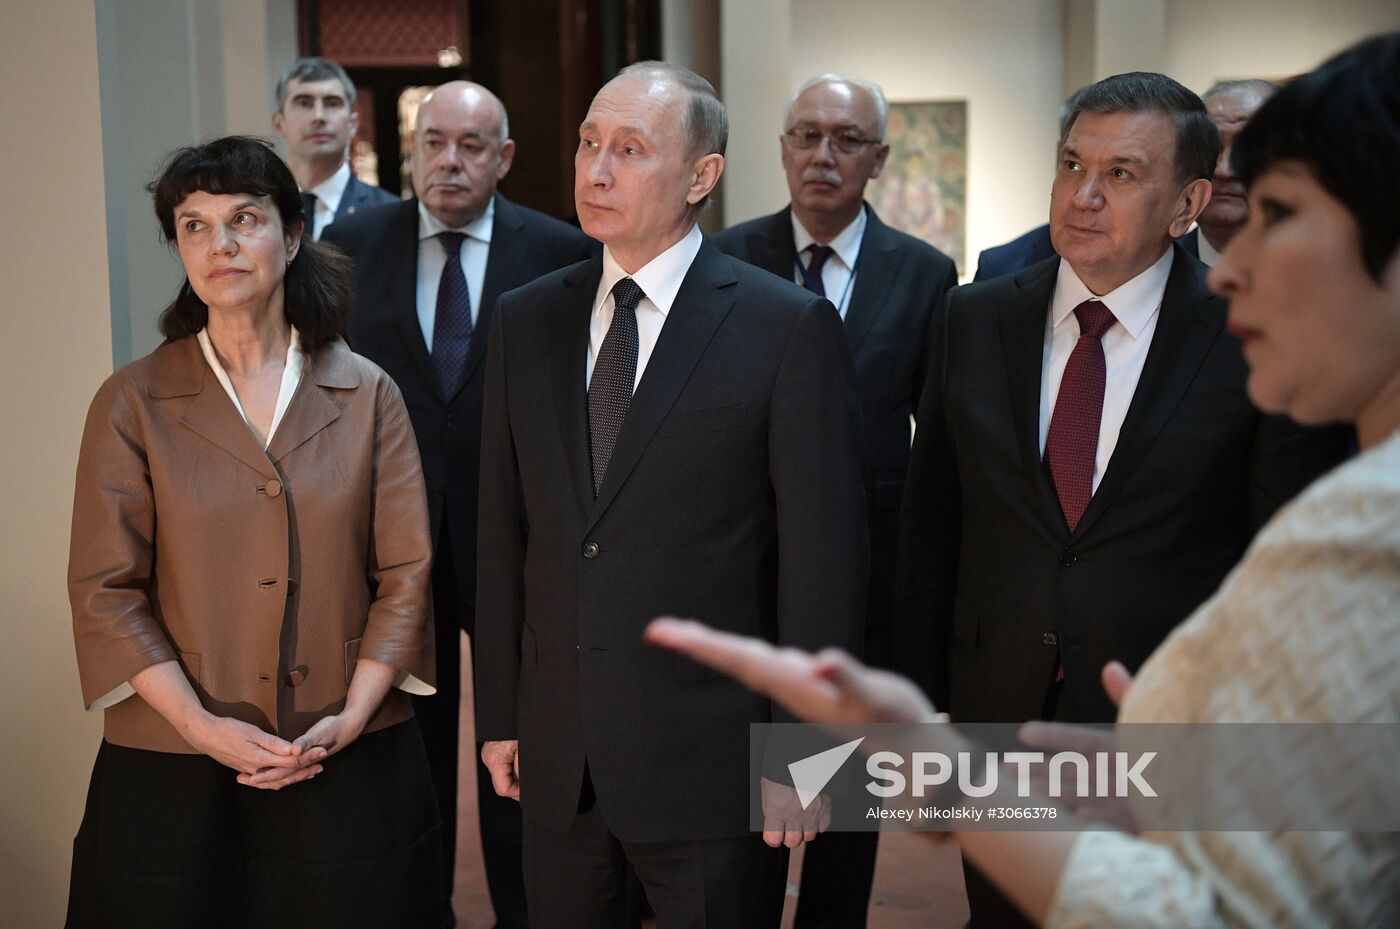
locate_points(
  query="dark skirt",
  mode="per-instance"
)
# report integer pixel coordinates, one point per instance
(173, 840)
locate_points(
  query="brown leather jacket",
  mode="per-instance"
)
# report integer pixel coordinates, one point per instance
(267, 574)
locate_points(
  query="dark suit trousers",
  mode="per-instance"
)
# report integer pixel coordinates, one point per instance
(838, 869)
(989, 907)
(438, 719)
(578, 879)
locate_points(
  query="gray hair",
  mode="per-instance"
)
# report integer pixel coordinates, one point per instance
(1068, 107)
(1265, 89)
(882, 106)
(706, 122)
(314, 69)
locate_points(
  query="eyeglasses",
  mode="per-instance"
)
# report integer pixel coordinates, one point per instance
(844, 140)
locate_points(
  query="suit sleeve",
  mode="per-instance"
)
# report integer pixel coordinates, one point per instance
(1286, 457)
(930, 526)
(399, 627)
(111, 558)
(814, 460)
(935, 318)
(502, 533)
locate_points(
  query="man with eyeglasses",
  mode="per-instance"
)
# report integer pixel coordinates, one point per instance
(427, 275)
(887, 287)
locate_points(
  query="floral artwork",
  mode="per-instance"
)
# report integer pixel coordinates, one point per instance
(923, 188)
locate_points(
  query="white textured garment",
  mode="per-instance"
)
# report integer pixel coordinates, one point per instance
(1306, 629)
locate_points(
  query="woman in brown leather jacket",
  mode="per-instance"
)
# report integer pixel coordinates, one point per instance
(249, 577)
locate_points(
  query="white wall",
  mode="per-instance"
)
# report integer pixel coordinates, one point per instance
(57, 348)
(756, 48)
(173, 73)
(1208, 40)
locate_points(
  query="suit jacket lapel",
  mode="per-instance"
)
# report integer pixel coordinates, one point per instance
(773, 249)
(1190, 322)
(312, 408)
(349, 199)
(401, 281)
(701, 305)
(568, 349)
(183, 372)
(875, 273)
(501, 260)
(1022, 324)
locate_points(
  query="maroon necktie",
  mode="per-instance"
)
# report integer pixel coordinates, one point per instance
(1073, 442)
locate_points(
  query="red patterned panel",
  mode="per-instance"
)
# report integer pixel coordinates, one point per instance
(366, 33)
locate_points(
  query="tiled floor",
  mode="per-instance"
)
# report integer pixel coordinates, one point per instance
(918, 885)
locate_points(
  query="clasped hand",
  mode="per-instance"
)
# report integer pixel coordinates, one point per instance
(266, 761)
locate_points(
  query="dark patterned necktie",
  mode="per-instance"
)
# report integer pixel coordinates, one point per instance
(308, 206)
(812, 274)
(452, 324)
(614, 376)
(1073, 441)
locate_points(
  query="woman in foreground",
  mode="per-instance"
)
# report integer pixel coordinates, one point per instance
(1307, 628)
(249, 578)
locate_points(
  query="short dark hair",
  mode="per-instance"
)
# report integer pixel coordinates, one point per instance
(706, 122)
(317, 285)
(1197, 139)
(314, 69)
(1343, 122)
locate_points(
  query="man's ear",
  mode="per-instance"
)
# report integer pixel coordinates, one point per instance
(1189, 205)
(707, 172)
(507, 157)
(277, 124)
(880, 157)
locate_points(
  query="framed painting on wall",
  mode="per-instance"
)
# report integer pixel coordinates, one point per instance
(923, 188)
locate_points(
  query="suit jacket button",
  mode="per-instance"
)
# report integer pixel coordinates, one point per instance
(1068, 559)
(590, 549)
(297, 676)
(273, 488)
(1050, 638)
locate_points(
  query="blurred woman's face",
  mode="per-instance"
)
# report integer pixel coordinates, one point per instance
(234, 248)
(1321, 337)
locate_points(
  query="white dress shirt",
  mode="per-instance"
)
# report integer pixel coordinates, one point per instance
(476, 247)
(838, 274)
(328, 194)
(1205, 251)
(291, 377)
(660, 280)
(1136, 305)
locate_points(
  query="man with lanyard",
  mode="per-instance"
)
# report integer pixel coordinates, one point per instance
(887, 286)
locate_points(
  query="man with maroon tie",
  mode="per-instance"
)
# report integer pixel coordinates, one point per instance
(1087, 466)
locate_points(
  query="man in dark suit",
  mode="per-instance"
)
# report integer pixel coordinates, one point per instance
(1035, 246)
(428, 273)
(887, 286)
(316, 119)
(1087, 466)
(667, 430)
